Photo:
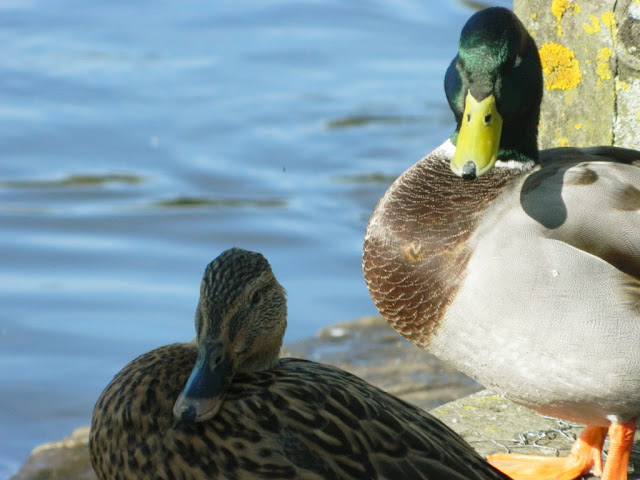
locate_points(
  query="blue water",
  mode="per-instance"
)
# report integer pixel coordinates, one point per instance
(140, 139)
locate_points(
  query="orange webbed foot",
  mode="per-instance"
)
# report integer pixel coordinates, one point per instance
(585, 455)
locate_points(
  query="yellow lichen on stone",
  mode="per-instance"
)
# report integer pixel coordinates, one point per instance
(638, 114)
(609, 20)
(489, 399)
(594, 27)
(559, 8)
(560, 67)
(604, 54)
(577, 126)
(603, 71)
(534, 16)
(563, 142)
(622, 85)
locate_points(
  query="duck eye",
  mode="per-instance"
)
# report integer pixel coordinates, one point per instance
(517, 61)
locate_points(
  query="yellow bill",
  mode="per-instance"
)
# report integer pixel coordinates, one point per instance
(478, 139)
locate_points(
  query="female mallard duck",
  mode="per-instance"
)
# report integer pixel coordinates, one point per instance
(226, 407)
(519, 267)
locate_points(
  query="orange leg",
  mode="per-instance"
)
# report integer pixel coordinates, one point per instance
(584, 455)
(620, 443)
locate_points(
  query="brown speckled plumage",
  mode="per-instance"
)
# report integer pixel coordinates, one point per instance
(294, 419)
(418, 242)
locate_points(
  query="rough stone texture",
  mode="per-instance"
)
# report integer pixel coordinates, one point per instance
(492, 424)
(370, 349)
(590, 50)
(66, 459)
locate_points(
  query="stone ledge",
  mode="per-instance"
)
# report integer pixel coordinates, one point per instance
(65, 459)
(493, 424)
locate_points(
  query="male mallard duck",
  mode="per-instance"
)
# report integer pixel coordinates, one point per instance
(227, 407)
(519, 267)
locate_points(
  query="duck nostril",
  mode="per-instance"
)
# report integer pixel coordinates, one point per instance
(487, 119)
(188, 413)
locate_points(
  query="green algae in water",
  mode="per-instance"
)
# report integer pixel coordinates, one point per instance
(77, 180)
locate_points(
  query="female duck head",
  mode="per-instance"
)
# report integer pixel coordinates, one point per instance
(494, 87)
(240, 322)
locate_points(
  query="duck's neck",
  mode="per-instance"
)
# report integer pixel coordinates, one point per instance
(260, 361)
(519, 136)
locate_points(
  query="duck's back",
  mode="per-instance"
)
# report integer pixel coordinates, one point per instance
(298, 420)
